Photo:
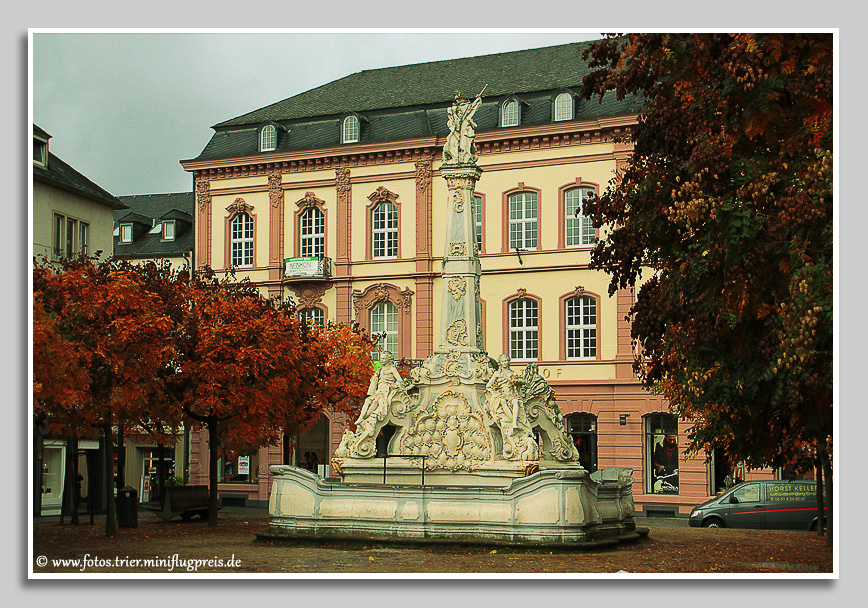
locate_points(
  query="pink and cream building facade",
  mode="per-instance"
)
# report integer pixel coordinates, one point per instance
(334, 198)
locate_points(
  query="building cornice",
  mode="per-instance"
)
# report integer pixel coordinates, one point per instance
(514, 139)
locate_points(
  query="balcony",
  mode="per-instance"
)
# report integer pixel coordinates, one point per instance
(309, 268)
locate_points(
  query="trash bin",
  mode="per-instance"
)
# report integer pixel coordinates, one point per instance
(128, 507)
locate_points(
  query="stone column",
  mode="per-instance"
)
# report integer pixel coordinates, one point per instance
(461, 317)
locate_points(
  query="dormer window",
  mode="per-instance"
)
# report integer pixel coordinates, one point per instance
(350, 130)
(40, 152)
(126, 233)
(563, 107)
(509, 113)
(168, 230)
(268, 138)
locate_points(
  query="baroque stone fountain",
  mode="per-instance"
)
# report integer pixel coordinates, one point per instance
(476, 451)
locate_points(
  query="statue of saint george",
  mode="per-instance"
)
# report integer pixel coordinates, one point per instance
(459, 148)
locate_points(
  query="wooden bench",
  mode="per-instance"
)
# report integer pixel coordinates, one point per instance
(185, 501)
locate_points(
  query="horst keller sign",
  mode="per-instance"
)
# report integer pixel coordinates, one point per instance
(309, 266)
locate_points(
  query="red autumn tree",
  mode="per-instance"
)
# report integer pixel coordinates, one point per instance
(100, 335)
(346, 369)
(728, 202)
(245, 368)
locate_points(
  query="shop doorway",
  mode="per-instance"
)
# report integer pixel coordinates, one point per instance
(312, 451)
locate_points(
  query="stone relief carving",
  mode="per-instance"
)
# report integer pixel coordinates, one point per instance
(451, 435)
(458, 249)
(275, 191)
(457, 333)
(309, 200)
(239, 205)
(457, 287)
(203, 193)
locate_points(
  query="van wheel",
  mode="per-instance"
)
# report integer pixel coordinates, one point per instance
(713, 522)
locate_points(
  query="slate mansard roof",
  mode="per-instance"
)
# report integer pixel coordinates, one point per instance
(407, 102)
(61, 175)
(147, 211)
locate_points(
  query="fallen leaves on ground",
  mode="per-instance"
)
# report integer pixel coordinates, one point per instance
(669, 549)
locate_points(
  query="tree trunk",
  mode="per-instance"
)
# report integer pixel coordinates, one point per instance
(212, 472)
(111, 522)
(820, 514)
(76, 484)
(827, 473)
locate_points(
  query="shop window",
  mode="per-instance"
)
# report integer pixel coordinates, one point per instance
(241, 469)
(582, 429)
(661, 445)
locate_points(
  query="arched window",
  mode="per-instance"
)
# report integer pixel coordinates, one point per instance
(582, 429)
(384, 230)
(509, 113)
(384, 321)
(661, 453)
(242, 240)
(524, 329)
(563, 107)
(350, 130)
(312, 232)
(579, 230)
(523, 221)
(313, 316)
(268, 138)
(581, 327)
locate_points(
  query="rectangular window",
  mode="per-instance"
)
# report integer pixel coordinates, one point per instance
(313, 233)
(522, 221)
(384, 322)
(385, 230)
(523, 330)
(126, 233)
(242, 240)
(581, 318)
(579, 229)
(477, 214)
(59, 227)
(71, 229)
(169, 230)
(83, 230)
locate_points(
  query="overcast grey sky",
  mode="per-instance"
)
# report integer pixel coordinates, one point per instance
(123, 108)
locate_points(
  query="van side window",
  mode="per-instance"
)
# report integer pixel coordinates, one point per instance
(749, 492)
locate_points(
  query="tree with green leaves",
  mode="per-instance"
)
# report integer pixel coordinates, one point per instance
(723, 221)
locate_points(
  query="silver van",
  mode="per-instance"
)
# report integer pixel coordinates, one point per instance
(765, 504)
